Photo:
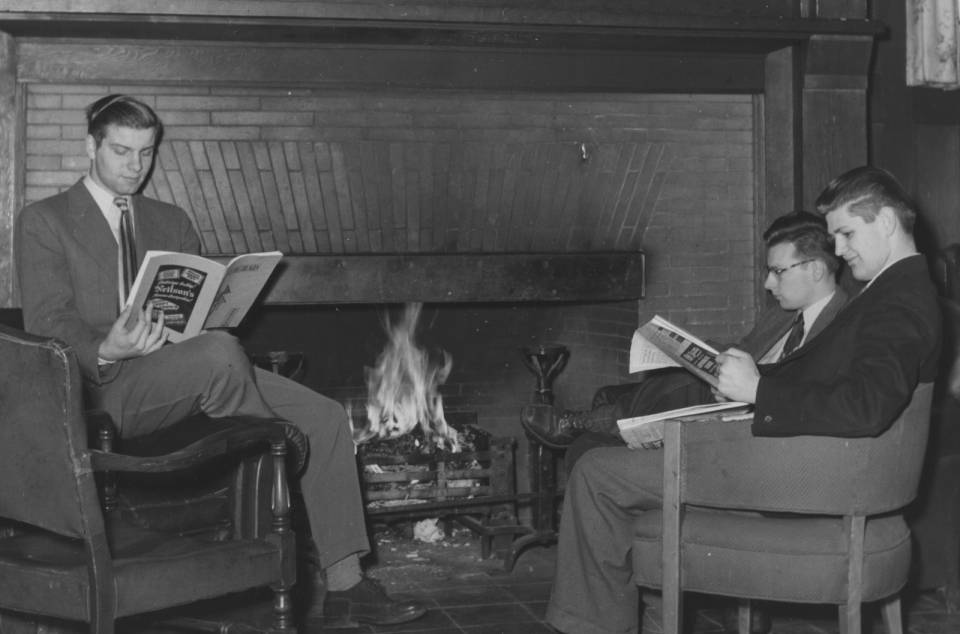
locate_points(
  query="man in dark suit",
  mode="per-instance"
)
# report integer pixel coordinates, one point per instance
(70, 270)
(859, 374)
(801, 275)
(853, 379)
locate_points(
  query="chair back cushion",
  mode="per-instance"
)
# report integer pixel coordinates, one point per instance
(729, 468)
(45, 475)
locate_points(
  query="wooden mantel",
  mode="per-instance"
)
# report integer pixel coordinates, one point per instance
(459, 278)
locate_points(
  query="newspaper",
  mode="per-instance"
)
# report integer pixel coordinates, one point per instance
(661, 344)
(647, 431)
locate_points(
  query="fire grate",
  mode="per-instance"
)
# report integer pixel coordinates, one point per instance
(406, 478)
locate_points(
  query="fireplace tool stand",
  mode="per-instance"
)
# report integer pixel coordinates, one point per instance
(545, 362)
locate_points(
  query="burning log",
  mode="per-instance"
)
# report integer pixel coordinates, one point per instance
(403, 387)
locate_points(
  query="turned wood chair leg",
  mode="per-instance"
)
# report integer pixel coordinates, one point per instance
(892, 616)
(744, 614)
(108, 479)
(281, 530)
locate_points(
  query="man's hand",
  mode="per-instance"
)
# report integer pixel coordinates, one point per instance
(145, 336)
(738, 376)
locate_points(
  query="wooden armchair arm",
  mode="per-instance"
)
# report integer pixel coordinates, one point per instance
(230, 439)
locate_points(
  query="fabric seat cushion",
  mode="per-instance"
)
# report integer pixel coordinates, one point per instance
(790, 558)
(143, 562)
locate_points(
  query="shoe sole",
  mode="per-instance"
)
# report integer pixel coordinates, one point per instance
(397, 621)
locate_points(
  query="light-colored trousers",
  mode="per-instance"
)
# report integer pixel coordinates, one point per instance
(211, 373)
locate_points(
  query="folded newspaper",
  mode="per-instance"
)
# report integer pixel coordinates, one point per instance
(661, 344)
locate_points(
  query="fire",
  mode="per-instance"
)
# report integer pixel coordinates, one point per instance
(403, 388)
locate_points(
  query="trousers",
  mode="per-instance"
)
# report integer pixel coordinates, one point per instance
(607, 491)
(663, 390)
(211, 374)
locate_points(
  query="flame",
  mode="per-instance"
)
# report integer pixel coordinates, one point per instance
(403, 387)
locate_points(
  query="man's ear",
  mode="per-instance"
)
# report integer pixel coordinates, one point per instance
(91, 147)
(819, 269)
(888, 219)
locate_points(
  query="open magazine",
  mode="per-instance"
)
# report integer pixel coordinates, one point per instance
(196, 293)
(662, 344)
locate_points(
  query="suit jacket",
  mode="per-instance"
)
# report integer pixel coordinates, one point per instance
(773, 323)
(859, 373)
(67, 266)
(676, 387)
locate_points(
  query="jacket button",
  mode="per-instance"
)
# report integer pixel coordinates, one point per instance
(768, 418)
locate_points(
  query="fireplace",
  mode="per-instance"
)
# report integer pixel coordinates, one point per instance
(529, 173)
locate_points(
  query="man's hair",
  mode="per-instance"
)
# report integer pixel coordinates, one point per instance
(866, 189)
(807, 232)
(120, 110)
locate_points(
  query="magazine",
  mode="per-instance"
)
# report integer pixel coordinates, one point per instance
(661, 344)
(197, 293)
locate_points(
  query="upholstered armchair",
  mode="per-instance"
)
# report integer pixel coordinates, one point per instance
(69, 559)
(806, 519)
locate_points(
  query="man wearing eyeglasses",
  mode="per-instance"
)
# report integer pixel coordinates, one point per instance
(852, 380)
(800, 274)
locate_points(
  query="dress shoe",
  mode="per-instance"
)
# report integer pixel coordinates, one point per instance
(368, 603)
(759, 620)
(548, 428)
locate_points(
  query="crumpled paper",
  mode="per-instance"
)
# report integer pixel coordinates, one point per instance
(428, 531)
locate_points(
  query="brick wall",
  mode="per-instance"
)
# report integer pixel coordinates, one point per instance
(370, 170)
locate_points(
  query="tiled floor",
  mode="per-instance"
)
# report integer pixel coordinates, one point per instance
(469, 595)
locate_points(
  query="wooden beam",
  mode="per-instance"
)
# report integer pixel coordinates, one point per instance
(494, 25)
(11, 160)
(834, 98)
(465, 277)
(472, 68)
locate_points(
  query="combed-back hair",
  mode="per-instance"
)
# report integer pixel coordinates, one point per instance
(808, 234)
(866, 189)
(120, 110)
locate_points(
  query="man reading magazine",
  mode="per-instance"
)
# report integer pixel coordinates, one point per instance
(852, 379)
(801, 274)
(72, 262)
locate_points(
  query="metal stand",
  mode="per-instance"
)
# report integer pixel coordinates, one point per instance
(543, 483)
(546, 362)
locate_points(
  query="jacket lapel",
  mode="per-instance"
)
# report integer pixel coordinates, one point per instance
(889, 278)
(90, 229)
(836, 303)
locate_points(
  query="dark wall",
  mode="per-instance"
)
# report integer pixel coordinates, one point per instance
(915, 133)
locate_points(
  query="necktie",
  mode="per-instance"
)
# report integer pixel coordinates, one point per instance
(794, 337)
(128, 247)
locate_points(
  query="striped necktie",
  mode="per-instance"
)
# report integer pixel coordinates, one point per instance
(794, 337)
(128, 247)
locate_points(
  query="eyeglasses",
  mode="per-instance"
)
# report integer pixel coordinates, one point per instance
(778, 271)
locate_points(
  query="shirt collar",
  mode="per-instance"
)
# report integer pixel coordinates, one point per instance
(812, 312)
(103, 198)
